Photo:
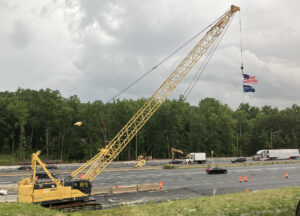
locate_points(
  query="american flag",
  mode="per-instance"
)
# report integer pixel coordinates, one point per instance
(249, 79)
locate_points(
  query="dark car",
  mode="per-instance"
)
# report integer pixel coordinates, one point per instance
(51, 166)
(216, 170)
(42, 176)
(24, 168)
(239, 160)
(176, 161)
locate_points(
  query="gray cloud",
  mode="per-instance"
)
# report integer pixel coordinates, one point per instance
(96, 48)
(21, 35)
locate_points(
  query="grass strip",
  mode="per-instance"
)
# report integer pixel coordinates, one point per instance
(281, 202)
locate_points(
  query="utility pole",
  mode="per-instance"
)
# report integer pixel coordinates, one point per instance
(237, 145)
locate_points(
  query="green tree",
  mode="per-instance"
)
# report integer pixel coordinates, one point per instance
(212, 128)
(49, 105)
(19, 110)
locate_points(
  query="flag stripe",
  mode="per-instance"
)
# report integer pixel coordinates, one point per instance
(250, 81)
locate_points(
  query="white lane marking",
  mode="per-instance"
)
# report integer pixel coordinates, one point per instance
(289, 167)
(263, 169)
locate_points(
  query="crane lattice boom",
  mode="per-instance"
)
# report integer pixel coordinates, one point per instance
(98, 163)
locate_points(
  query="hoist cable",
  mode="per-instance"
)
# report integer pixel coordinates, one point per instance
(241, 44)
(204, 64)
(197, 74)
(165, 59)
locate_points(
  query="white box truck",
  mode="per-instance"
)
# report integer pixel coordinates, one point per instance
(196, 157)
(275, 154)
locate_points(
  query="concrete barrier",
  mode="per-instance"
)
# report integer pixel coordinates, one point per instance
(124, 189)
(106, 190)
(148, 187)
(9, 187)
(8, 198)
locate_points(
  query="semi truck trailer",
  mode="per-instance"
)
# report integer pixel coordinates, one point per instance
(276, 154)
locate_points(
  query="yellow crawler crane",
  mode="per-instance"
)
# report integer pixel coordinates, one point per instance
(78, 185)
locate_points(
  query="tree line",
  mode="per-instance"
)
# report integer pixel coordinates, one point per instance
(32, 120)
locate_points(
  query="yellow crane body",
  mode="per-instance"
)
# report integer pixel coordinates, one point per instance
(50, 192)
(27, 193)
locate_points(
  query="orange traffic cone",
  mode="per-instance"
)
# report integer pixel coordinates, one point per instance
(160, 185)
(286, 175)
(245, 178)
(241, 179)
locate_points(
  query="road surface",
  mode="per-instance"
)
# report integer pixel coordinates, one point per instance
(186, 183)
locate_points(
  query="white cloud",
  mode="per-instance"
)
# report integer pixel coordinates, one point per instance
(96, 48)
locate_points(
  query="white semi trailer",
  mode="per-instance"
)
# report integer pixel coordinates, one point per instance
(275, 154)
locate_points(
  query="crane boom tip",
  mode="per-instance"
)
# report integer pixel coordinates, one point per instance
(235, 8)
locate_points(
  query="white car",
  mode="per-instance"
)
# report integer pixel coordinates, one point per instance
(3, 192)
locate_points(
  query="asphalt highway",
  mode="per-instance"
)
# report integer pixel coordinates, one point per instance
(123, 164)
(258, 176)
(186, 183)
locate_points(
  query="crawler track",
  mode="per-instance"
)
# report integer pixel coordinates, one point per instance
(77, 206)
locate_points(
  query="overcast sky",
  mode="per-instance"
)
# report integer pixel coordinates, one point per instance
(96, 48)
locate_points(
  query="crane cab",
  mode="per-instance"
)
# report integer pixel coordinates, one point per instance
(82, 185)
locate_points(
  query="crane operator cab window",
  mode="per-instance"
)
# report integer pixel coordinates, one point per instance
(83, 185)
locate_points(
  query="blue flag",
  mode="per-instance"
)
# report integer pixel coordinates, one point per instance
(248, 88)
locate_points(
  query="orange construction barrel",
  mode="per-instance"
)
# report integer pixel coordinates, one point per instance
(160, 185)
